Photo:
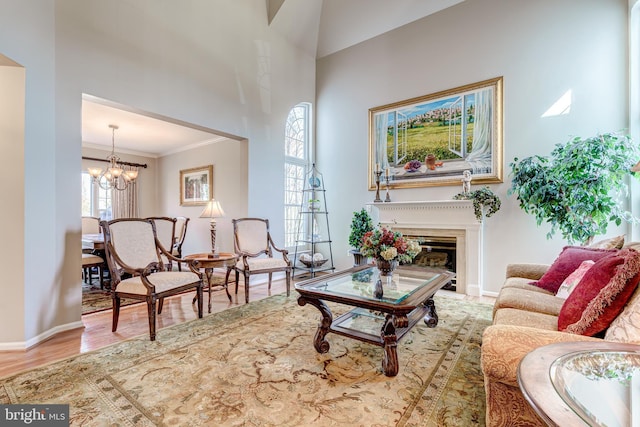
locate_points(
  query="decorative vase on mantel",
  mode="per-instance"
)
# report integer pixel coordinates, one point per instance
(386, 267)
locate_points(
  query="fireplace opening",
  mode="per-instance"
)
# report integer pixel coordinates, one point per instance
(437, 252)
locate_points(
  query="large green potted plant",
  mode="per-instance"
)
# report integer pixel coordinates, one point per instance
(577, 188)
(361, 223)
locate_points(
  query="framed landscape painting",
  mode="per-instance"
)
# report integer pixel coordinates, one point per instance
(196, 186)
(433, 139)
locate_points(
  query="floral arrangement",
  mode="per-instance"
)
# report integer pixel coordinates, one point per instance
(388, 245)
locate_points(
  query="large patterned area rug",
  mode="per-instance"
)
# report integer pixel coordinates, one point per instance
(96, 299)
(255, 365)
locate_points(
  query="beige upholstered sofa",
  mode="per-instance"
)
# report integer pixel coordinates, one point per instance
(525, 317)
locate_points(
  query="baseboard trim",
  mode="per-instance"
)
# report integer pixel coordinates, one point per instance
(490, 294)
(26, 345)
(473, 290)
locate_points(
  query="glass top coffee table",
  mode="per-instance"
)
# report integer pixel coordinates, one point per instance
(386, 308)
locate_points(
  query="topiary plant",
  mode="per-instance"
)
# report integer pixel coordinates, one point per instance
(360, 224)
(577, 188)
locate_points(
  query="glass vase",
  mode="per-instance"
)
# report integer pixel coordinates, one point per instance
(386, 267)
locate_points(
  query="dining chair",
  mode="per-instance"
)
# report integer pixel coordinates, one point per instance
(178, 240)
(134, 255)
(166, 229)
(255, 249)
(91, 259)
(89, 262)
(90, 225)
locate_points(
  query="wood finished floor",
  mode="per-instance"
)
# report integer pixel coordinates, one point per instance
(97, 333)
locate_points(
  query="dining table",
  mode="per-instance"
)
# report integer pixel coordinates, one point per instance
(94, 242)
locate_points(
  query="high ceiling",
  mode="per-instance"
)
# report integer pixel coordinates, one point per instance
(323, 27)
(138, 132)
(318, 27)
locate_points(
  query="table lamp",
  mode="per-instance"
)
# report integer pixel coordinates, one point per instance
(213, 211)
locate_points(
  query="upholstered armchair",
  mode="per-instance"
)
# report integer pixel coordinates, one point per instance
(134, 255)
(255, 249)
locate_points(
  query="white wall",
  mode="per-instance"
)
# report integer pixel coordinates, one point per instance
(213, 63)
(542, 49)
(27, 37)
(12, 221)
(230, 187)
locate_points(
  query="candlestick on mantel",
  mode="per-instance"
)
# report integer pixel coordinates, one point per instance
(377, 173)
(386, 180)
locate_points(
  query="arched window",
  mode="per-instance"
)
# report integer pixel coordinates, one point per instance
(297, 156)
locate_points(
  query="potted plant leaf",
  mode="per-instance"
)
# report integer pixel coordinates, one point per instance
(577, 189)
(361, 223)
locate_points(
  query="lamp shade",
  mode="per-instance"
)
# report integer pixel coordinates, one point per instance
(213, 210)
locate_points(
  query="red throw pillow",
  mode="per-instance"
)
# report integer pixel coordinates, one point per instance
(601, 294)
(569, 259)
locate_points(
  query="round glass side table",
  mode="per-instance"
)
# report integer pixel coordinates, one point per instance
(583, 383)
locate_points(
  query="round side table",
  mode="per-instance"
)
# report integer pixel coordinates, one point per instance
(581, 383)
(209, 261)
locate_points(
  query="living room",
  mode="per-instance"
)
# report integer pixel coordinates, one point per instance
(221, 65)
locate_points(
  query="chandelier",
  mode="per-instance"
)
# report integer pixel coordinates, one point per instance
(114, 177)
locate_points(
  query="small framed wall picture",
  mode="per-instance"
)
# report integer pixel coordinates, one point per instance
(196, 186)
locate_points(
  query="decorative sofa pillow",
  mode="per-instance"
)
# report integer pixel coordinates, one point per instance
(601, 294)
(626, 327)
(569, 259)
(572, 280)
(612, 243)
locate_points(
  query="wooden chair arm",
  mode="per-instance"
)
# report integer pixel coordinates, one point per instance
(192, 266)
(171, 257)
(273, 246)
(125, 268)
(166, 253)
(284, 252)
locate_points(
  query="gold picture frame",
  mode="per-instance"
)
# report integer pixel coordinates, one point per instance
(196, 186)
(422, 142)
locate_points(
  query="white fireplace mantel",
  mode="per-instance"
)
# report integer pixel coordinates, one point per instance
(454, 218)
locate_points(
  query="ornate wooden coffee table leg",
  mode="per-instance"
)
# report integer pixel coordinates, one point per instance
(390, 364)
(431, 318)
(321, 345)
